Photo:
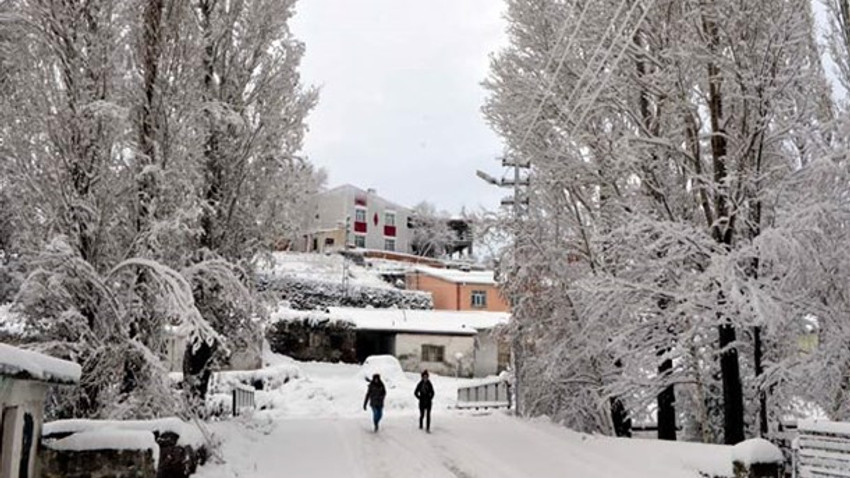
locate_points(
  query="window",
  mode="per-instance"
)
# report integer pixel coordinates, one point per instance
(433, 353)
(329, 241)
(359, 241)
(359, 215)
(479, 299)
(389, 244)
(389, 219)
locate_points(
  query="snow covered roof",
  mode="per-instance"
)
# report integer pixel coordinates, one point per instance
(27, 365)
(402, 320)
(356, 190)
(460, 277)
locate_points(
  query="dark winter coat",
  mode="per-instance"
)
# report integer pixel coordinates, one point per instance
(375, 394)
(424, 392)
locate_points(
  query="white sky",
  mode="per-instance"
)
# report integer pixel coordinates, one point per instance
(400, 105)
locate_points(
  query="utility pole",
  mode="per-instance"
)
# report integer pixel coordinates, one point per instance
(519, 206)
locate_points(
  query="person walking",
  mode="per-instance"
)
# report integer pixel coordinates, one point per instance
(425, 393)
(375, 395)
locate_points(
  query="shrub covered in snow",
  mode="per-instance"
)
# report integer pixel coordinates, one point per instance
(314, 338)
(306, 294)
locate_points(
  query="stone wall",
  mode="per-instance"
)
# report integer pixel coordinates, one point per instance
(98, 464)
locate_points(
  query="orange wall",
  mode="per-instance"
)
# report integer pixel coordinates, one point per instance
(451, 296)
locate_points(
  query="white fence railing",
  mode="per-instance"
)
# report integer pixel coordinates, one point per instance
(822, 449)
(243, 398)
(493, 393)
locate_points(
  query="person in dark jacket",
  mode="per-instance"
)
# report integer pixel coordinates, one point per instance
(375, 398)
(425, 393)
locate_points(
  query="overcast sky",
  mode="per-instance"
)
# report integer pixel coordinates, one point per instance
(400, 105)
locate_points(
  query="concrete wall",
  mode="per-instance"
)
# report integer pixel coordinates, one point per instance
(408, 349)
(19, 399)
(454, 296)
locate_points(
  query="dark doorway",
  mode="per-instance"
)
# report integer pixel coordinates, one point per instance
(26, 446)
(371, 342)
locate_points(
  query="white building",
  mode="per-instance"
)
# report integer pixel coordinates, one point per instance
(348, 215)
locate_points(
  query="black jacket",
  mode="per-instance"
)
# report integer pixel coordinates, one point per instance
(424, 392)
(375, 394)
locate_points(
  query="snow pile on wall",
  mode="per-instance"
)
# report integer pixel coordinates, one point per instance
(190, 434)
(756, 451)
(25, 364)
(269, 378)
(108, 439)
(307, 294)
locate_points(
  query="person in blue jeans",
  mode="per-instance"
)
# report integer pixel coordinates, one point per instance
(375, 398)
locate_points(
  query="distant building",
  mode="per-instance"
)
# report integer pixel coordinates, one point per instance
(445, 342)
(347, 216)
(454, 289)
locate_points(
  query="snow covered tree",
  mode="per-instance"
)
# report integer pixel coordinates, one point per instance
(663, 147)
(150, 145)
(432, 235)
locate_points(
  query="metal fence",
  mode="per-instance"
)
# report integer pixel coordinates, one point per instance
(495, 393)
(243, 398)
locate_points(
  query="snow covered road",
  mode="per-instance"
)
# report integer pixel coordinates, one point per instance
(460, 446)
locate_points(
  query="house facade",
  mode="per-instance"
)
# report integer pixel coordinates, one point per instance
(454, 289)
(347, 216)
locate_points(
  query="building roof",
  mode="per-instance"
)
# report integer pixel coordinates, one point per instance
(357, 190)
(447, 322)
(27, 365)
(458, 276)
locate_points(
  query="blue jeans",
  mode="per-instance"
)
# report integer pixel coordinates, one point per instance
(377, 413)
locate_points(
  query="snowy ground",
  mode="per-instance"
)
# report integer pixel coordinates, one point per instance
(322, 268)
(317, 428)
(337, 390)
(492, 445)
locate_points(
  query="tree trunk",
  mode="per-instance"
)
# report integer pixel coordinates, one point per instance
(666, 405)
(733, 396)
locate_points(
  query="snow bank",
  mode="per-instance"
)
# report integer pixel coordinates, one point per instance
(268, 378)
(387, 366)
(25, 364)
(756, 450)
(108, 439)
(189, 433)
(321, 268)
(337, 390)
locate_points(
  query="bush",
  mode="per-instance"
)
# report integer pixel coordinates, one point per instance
(305, 294)
(314, 339)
